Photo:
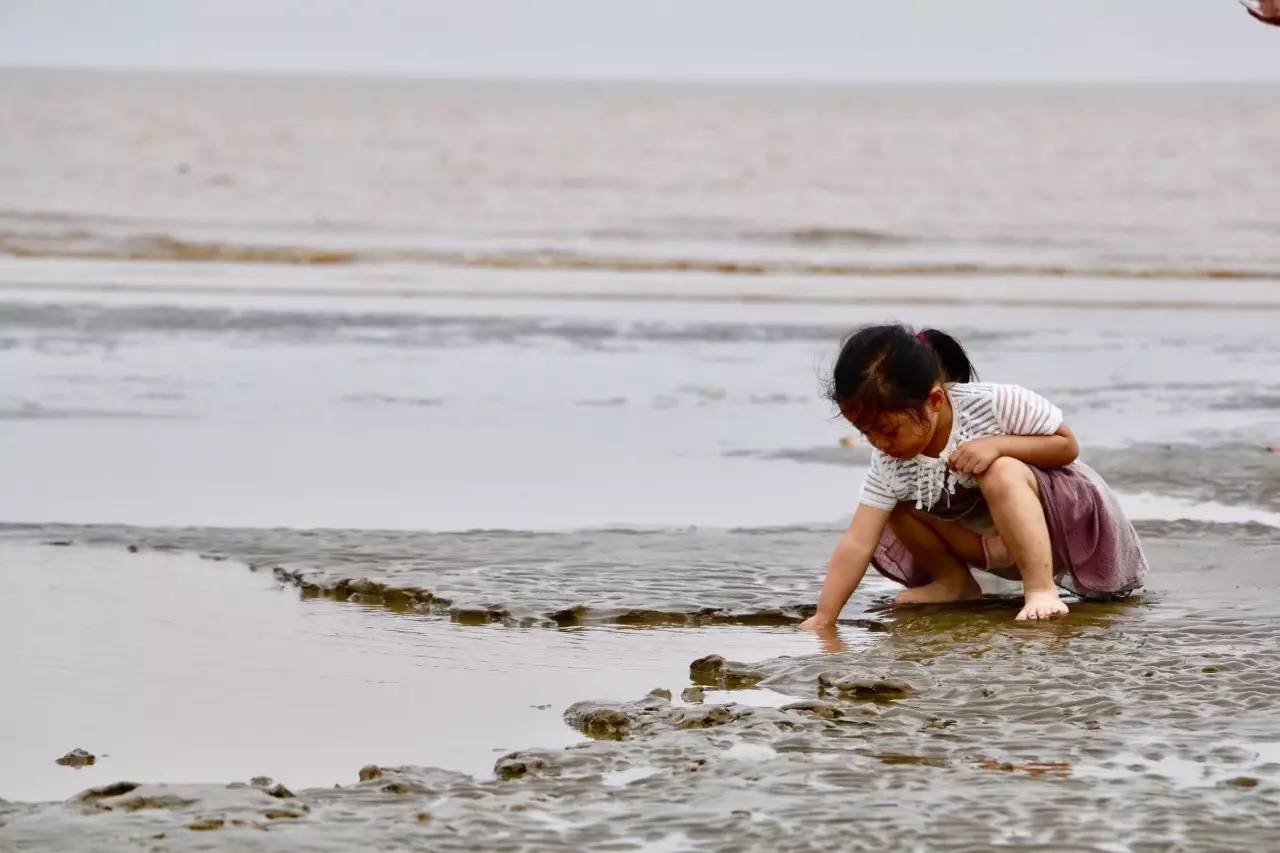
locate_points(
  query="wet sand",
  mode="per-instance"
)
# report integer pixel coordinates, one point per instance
(946, 727)
(316, 440)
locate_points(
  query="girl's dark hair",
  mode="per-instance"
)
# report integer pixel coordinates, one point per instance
(893, 369)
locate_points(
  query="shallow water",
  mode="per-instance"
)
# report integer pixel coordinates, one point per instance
(1151, 720)
(456, 415)
(170, 668)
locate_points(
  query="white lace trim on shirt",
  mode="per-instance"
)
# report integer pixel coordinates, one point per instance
(934, 475)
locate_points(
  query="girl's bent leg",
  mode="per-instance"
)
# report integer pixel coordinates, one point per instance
(1014, 498)
(951, 580)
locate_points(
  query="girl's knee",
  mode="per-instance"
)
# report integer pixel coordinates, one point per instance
(1004, 476)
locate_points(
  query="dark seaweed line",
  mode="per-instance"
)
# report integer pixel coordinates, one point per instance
(173, 249)
(413, 599)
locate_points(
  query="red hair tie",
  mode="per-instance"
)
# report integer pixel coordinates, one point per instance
(922, 338)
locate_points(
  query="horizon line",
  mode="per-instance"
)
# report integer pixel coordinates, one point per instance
(508, 77)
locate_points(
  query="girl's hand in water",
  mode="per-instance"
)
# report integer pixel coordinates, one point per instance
(826, 630)
(975, 457)
(817, 622)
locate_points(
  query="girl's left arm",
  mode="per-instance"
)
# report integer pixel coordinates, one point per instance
(1042, 451)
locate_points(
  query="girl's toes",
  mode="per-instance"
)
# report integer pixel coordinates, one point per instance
(1038, 613)
(1042, 605)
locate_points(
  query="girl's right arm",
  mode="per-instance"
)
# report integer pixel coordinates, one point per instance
(848, 564)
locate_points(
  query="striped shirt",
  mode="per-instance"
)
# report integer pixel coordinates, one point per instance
(979, 409)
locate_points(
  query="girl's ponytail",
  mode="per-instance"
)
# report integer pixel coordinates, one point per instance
(956, 366)
(893, 369)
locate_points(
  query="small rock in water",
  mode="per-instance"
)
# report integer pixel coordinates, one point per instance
(693, 694)
(77, 758)
(660, 693)
(602, 721)
(517, 765)
(115, 789)
(864, 688)
(715, 671)
(828, 710)
(370, 772)
(261, 781)
(568, 616)
(364, 586)
(478, 615)
(701, 718)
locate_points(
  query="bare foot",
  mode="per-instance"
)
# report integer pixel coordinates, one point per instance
(1043, 604)
(940, 593)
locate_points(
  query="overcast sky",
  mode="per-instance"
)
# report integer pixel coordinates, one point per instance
(717, 39)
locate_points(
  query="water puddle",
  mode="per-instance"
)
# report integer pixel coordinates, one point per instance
(751, 752)
(1148, 505)
(170, 668)
(1240, 763)
(1182, 772)
(618, 778)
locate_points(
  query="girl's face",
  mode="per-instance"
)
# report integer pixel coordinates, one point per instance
(905, 434)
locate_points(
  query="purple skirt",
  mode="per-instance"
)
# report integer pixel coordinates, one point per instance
(1096, 552)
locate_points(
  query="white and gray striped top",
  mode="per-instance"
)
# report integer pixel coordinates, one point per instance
(981, 409)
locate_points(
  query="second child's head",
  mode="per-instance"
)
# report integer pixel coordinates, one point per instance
(888, 383)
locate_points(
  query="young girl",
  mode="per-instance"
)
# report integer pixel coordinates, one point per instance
(968, 475)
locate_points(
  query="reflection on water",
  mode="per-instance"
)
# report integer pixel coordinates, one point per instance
(711, 408)
(172, 668)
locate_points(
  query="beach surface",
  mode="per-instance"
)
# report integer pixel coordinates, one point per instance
(468, 496)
